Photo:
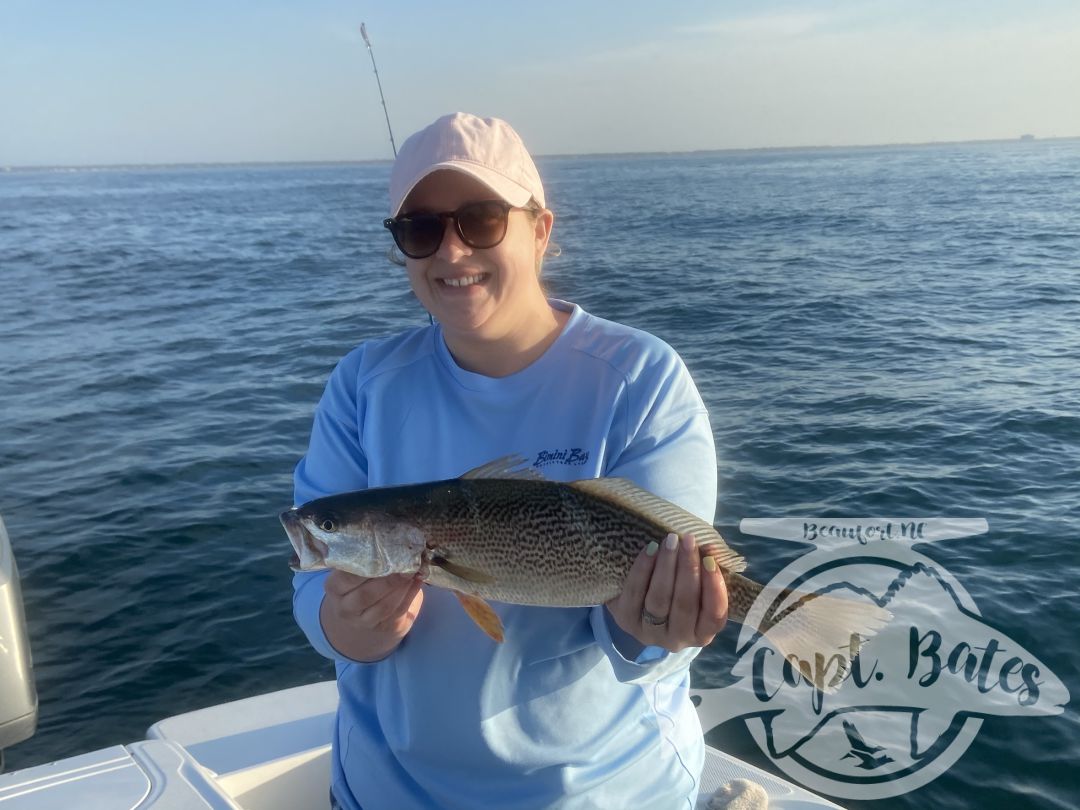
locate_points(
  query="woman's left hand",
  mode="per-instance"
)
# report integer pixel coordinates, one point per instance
(671, 599)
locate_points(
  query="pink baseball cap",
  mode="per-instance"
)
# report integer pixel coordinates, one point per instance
(485, 148)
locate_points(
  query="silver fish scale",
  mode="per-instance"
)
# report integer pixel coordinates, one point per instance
(536, 542)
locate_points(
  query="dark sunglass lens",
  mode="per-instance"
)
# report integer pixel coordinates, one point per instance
(419, 235)
(482, 224)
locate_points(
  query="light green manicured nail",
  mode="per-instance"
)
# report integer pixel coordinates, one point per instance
(671, 542)
(652, 548)
(709, 563)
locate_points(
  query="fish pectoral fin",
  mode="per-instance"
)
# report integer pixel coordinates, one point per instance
(481, 613)
(506, 467)
(461, 571)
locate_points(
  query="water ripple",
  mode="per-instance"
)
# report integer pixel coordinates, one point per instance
(875, 332)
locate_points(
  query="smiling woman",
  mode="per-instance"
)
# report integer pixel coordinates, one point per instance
(480, 279)
(552, 712)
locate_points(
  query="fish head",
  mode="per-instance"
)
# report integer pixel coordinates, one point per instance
(368, 542)
(309, 552)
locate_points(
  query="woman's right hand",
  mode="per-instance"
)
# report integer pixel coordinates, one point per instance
(365, 619)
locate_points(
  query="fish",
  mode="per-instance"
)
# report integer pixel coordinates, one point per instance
(503, 532)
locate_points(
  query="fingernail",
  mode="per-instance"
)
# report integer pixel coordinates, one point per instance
(651, 549)
(671, 542)
(688, 542)
(710, 564)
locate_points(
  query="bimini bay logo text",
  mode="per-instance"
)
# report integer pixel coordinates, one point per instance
(888, 713)
(570, 456)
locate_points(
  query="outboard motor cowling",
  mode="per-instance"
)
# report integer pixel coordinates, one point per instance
(18, 698)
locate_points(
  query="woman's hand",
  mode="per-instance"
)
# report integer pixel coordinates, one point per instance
(672, 598)
(365, 619)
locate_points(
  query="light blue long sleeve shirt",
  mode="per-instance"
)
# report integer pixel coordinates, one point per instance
(555, 716)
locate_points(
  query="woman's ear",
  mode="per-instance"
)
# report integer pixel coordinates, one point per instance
(542, 230)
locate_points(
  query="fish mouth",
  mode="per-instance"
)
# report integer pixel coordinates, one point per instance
(309, 552)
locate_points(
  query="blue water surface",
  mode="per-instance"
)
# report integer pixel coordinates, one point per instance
(888, 331)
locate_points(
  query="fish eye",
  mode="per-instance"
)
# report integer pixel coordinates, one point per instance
(327, 525)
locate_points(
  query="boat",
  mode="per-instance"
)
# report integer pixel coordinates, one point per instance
(267, 752)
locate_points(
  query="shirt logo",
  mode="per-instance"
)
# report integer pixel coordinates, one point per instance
(570, 457)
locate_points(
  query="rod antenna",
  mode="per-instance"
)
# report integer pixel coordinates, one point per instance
(382, 98)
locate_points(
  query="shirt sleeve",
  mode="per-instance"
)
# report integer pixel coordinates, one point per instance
(668, 449)
(334, 462)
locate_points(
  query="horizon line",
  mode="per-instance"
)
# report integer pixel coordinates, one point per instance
(656, 152)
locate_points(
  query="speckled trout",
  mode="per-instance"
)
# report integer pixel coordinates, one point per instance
(505, 533)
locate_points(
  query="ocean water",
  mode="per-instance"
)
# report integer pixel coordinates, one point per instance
(876, 332)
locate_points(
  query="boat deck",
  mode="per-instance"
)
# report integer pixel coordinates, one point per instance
(269, 752)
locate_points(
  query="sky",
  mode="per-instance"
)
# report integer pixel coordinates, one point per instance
(195, 81)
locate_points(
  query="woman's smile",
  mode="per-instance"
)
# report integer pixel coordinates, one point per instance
(464, 281)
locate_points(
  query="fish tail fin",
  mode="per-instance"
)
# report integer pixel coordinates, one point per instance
(821, 634)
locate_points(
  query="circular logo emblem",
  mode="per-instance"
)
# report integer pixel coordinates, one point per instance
(880, 712)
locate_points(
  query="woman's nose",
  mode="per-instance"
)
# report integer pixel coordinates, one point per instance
(451, 246)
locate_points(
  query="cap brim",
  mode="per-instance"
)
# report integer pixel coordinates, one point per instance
(503, 187)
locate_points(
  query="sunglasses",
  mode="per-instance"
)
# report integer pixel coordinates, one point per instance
(479, 224)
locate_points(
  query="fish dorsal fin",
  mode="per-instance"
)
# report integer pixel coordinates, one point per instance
(506, 467)
(625, 494)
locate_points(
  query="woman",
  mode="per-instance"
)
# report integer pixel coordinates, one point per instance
(579, 707)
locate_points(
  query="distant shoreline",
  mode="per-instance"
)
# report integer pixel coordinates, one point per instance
(613, 155)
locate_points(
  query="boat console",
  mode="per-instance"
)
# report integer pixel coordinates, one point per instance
(18, 698)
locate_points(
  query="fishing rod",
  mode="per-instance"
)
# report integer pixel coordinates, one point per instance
(363, 33)
(382, 98)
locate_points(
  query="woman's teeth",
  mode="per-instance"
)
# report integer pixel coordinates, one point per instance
(463, 282)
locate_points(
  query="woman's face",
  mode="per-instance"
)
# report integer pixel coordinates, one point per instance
(484, 293)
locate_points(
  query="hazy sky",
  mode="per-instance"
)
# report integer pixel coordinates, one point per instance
(160, 81)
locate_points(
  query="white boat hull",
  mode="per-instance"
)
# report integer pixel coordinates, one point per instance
(270, 752)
